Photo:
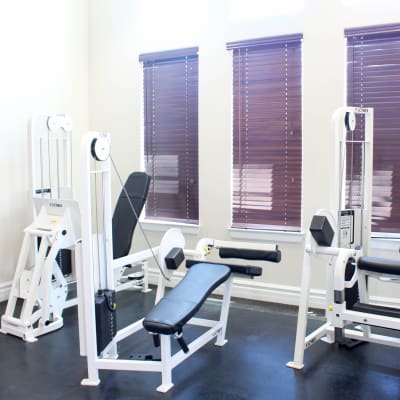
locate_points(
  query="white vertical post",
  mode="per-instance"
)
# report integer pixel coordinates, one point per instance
(81, 303)
(368, 177)
(107, 224)
(302, 318)
(166, 364)
(224, 312)
(145, 270)
(87, 265)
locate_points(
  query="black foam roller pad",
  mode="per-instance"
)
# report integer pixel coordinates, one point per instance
(174, 258)
(322, 230)
(246, 254)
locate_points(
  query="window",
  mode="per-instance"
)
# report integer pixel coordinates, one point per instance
(170, 134)
(373, 80)
(267, 133)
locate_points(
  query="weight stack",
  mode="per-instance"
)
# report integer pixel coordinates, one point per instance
(106, 318)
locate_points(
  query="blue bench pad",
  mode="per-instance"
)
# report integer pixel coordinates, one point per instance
(176, 308)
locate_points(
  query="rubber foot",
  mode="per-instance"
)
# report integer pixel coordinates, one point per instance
(90, 382)
(164, 388)
(291, 364)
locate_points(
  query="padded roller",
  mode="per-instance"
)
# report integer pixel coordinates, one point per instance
(176, 308)
(174, 258)
(322, 230)
(248, 254)
(377, 310)
(379, 265)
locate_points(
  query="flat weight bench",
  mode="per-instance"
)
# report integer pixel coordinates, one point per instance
(178, 306)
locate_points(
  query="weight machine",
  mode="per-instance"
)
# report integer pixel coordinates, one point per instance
(39, 289)
(342, 238)
(44, 283)
(99, 336)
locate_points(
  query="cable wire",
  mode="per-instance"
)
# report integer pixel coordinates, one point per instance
(138, 221)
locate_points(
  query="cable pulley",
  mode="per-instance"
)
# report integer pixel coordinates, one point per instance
(100, 149)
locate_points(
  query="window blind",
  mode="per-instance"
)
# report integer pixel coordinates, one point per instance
(267, 133)
(373, 80)
(170, 83)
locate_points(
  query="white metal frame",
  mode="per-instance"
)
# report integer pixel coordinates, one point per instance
(337, 316)
(51, 156)
(39, 290)
(336, 313)
(340, 138)
(41, 287)
(88, 286)
(304, 341)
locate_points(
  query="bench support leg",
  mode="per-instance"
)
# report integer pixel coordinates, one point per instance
(166, 362)
(224, 312)
(145, 270)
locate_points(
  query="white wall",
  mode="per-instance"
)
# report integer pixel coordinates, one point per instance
(120, 30)
(43, 69)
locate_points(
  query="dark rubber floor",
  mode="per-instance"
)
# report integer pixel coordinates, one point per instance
(250, 366)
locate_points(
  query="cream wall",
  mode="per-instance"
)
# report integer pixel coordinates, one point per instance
(120, 30)
(43, 69)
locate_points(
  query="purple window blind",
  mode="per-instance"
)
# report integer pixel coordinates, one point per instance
(373, 80)
(267, 133)
(171, 134)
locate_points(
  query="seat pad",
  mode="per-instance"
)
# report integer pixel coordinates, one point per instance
(180, 304)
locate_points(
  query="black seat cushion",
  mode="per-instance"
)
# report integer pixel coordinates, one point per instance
(180, 304)
(379, 265)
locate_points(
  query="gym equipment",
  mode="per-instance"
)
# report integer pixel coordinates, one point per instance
(339, 237)
(39, 289)
(42, 288)
(99, 336)
(342, 239)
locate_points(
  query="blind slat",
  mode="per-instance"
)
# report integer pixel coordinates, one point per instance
(267, 145)
(171, 134)
(373, 70)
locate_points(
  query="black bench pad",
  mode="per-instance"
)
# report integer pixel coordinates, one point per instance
(379, 265)
(180, 304)
(248, 270)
